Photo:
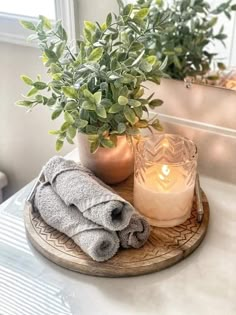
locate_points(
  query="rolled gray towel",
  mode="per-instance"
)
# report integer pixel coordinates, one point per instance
(77, 186)
(136, 233)
(93, 239)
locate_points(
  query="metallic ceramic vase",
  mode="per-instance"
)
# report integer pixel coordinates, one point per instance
(110, 165)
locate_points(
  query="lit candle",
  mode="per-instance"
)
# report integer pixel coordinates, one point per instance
(163, 192)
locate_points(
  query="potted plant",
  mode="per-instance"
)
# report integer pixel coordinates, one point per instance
(97, 87)
(189, 27)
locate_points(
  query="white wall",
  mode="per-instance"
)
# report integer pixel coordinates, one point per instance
(94, 10)
(25, 144)
(24, 141)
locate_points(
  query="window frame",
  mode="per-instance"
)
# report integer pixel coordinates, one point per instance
(12, 32)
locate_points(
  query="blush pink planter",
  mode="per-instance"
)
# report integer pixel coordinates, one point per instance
(110, 165)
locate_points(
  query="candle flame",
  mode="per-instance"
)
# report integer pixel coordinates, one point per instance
(165, 172)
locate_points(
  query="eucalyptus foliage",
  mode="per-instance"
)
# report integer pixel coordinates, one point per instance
(98, 85)
(190, 26)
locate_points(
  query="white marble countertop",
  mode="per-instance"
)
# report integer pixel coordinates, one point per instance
(204, 283)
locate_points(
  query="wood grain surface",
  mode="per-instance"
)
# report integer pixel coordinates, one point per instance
(165, 246)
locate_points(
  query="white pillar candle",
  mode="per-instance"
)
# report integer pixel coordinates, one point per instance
(164, 179)
(163, 197)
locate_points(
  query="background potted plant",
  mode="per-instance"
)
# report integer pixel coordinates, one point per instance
(184, 37)
(98, 87)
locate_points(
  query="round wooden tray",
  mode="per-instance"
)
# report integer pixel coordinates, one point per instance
(165, 246)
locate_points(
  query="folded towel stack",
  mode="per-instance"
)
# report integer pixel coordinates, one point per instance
(74, 202)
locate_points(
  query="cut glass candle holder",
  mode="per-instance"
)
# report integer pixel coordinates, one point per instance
(164, 178)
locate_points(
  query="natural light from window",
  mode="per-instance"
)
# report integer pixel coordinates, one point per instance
(28, 8)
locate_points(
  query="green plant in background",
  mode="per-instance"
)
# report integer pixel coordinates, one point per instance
(98, 85)
(190, 26)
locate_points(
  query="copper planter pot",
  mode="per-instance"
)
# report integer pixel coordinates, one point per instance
(110, 165)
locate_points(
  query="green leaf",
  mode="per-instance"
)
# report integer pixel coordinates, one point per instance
(93, 137)
(54, 132)
(88, 35)
(122, 100)
(221, 66)
(133, 131)
(101, 112)
(62, 33)
(121, 128)
(50, 54)
(56, 114)
(136, 61)
(59, 144)
(143, 123)
(145, 66)
(103, 129)
(55, 68)
(116, 108)
(178, 50)
(96, 54)
(90, 26)
(69, 140)
(88, 105)
(164, 64)
(32, 37)
(156, 102)
(32, 92)
(177, 62)
(69, 118)
(28, 25)
(26, 79)
(138, 111)
(156, 125)
(128, 9)
(60, 49)
(221, 36)
(212, 77)
(46, 22)
(39, 98)
(91, 130)
(109, 20)
(151, 60)
(113, 138)
(65, 126)
(169, 52)
(39, 85)
(141, 14)
(212, 22)
(51, 101)
(25, 103)
(134, 103)
(89, 95)
(70, 92)
(135, 46)
(94, 146)
(106, 143)
(71, 105)
(233, 7)
(97, 97)
(81, 123)
(114, 64)
(130, 115)
(134, 27)
(71, 132)
(57, 76)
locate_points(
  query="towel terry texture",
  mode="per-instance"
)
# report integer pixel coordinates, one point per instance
(94, 240)
(77, 187)
(136, 233)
